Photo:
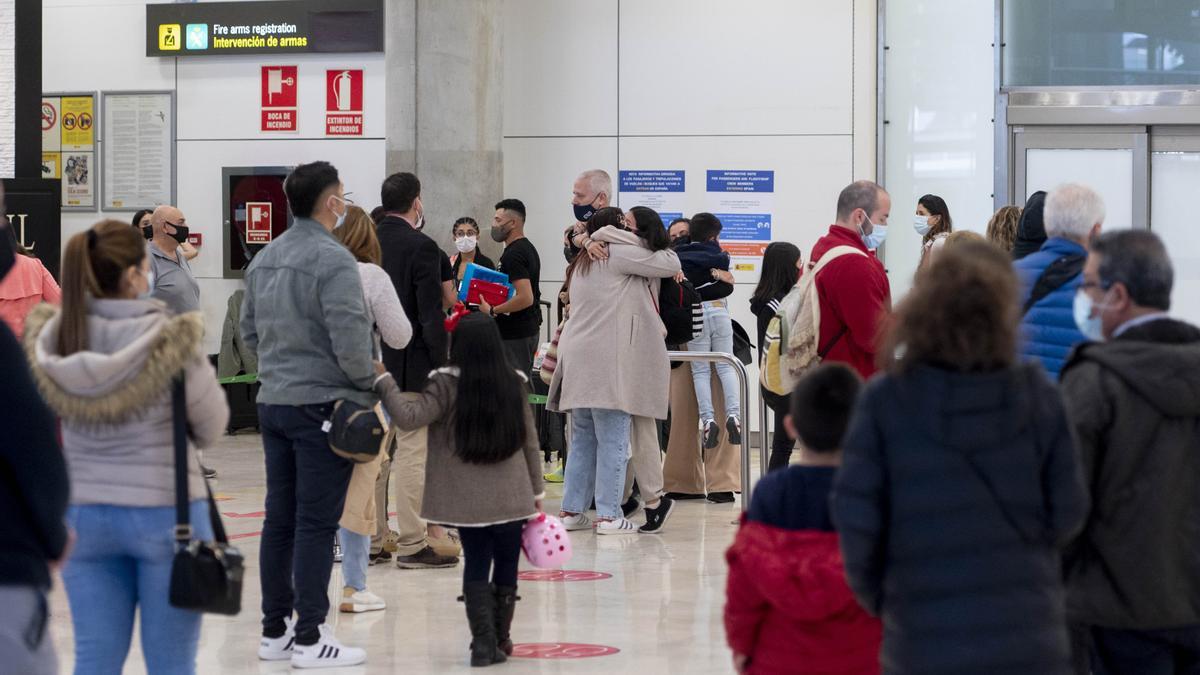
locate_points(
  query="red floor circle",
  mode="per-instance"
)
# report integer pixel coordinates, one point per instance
(561, 650)
(562, 575)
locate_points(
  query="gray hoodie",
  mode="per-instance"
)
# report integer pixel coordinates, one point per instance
(115, 399)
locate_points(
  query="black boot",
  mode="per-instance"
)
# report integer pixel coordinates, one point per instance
(481, 616)
(506, 606)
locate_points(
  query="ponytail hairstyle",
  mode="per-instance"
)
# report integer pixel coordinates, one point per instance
(94, 264)
(489, 418)
(609, 215)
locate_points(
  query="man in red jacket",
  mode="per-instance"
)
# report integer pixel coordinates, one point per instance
(854, 291)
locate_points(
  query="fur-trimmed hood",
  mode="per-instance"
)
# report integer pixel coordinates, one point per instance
(134, 349)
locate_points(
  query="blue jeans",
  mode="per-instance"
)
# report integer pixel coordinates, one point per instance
(717, 336)
(596, 463)
(356, 548)
(306, 491)
(121, 563)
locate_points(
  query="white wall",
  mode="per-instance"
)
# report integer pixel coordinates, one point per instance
(217, 101)
(939, 98)
(693, 85)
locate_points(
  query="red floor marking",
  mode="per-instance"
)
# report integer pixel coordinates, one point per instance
(561, 650)
(562, 575)
(252, 514)
(244, 535)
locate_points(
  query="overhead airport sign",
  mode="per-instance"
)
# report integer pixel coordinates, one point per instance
(272, 27)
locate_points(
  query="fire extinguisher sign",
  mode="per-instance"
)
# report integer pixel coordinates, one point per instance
(344, 102)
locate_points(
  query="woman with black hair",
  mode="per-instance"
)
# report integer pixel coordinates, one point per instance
(781, 268)
(466, 240)
(484, 470)
(612, 362)
(932, 221)
(141, 220)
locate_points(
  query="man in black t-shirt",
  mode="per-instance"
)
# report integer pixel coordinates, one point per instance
(521, 316)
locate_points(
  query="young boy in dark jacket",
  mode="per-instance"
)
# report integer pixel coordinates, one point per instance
(788, 608)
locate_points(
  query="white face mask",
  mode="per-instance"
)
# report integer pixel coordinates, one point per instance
(341, 217)
(466, 244)
(921, 225)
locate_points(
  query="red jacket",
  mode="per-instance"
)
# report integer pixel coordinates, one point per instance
(855, 297)
(788, 607)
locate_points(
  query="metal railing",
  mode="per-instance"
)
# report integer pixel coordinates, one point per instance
(744, 386)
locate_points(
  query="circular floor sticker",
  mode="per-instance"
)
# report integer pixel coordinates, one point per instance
(561, 650)
(562, 575)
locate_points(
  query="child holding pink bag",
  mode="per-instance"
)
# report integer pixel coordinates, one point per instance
(483, 473)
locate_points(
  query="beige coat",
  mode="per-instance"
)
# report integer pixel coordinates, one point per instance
(612, 353)
(359, 513)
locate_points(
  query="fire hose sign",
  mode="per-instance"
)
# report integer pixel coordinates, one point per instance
(344, 103)
(279, 98)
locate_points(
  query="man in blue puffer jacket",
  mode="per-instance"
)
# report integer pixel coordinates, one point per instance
(1073, 214)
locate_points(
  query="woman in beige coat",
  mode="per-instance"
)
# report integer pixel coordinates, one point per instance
(612, 364)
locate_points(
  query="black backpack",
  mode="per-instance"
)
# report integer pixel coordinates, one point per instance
(679, 307)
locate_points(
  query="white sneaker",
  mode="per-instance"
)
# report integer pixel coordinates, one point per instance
(618, 526)
(360, 601)
(577, 522)
(327, 653)
(280, 648)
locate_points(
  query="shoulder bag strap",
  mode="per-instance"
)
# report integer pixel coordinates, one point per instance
(183, 527)
(830, 255)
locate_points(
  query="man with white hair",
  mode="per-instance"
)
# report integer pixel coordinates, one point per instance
(591, 192)
(1049, 278)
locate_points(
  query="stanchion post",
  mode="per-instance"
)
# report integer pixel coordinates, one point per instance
(744, 386)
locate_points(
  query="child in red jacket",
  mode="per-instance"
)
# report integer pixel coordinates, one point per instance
(788, 608)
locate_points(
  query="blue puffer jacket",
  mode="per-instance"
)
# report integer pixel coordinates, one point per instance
(1048, 329)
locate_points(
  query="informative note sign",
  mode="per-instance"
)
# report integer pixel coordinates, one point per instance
(69, 147)
(139, 150)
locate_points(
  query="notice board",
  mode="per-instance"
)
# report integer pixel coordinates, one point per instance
(138, 150)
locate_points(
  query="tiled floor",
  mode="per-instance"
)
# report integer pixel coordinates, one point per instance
(661, 607)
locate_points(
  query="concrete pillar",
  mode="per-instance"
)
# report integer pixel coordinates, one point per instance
(444, 107)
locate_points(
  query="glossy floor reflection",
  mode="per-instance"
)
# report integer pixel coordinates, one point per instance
(661, 607)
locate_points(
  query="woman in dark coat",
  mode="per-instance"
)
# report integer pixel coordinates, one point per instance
(960, 484)
(1031, 230)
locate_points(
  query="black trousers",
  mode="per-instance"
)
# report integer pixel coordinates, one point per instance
(1174, 651)
(306, 491)
(521, 351)
(492, 553)
(781, 443)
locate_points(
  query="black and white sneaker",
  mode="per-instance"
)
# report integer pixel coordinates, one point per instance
(656, 517)
(734, 426)
(280, 648)
(712, 434)
(209, 472)
(631, 507)
(327, 653)
(720, 498)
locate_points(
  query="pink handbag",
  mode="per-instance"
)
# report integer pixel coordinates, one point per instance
(546, 542)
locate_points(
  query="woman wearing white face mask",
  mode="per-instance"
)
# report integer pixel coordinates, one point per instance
(466, 240)
(932, 221)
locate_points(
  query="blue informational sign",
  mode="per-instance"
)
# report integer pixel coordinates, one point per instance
(722, 180)
(745, 226)
(651, 181)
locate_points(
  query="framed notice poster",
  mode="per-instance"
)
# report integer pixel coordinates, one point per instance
(69, 147)
(139, 150)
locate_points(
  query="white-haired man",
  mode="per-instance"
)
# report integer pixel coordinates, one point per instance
(591, 192)
(1049, 278)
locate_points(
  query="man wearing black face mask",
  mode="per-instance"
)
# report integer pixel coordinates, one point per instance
(520, 317)
(591, 192)
(173, 281)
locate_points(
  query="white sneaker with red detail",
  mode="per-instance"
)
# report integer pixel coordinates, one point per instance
(326, 653)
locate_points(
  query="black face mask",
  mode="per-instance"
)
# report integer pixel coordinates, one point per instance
(680, 241)
(8, 248)
(181, 233)
(148, 231)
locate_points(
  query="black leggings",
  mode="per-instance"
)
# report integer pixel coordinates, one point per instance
(483, 546)
(781, 444)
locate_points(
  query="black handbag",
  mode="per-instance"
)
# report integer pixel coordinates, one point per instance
(742, 346)
(206, 576)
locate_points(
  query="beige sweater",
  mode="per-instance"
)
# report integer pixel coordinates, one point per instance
(612, 353)
(457, 493)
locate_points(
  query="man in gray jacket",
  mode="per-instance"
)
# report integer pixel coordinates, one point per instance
(1133, 575)
(305, 316)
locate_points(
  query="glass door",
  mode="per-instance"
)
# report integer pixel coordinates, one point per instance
(1175, 174)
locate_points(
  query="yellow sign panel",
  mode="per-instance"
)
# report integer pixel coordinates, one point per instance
(52, 165)
(78, 123)
(744, 267)
(170, 36)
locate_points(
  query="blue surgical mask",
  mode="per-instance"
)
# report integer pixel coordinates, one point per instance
(1092, 327)
(877, 235)
(921, 225)
(584, 211)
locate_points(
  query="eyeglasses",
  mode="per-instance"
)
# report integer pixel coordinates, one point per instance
(1098, 285)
